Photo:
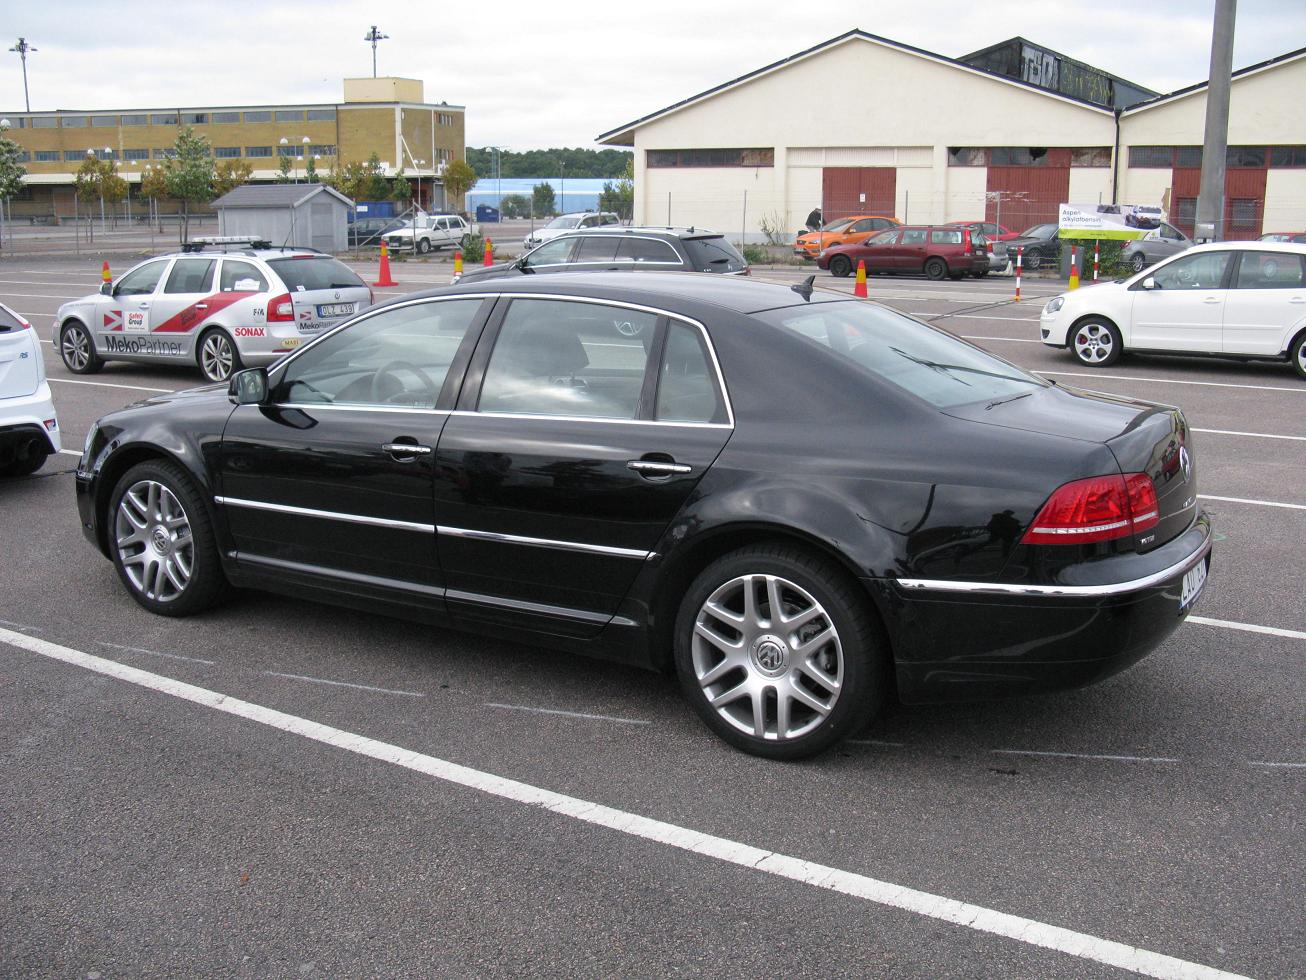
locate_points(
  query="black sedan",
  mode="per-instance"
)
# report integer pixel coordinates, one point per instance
(1036, 245)
(802, 504)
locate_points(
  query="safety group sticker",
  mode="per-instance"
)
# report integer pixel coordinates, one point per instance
(136, 322)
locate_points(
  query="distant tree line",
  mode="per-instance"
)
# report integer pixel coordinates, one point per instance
(568, 161)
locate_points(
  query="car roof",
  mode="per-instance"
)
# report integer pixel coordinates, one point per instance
(243, 253)
(642, 230)
(1297, 247)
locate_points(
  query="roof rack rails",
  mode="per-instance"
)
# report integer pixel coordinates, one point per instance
(224, 241)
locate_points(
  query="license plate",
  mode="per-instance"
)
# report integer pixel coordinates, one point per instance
(1194, 581)
(335, 309)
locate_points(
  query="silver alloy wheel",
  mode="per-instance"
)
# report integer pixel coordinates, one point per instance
(1093, 343)
(154, 542)
(76, 348)
(768, 657)
(216, 356)
(1301, 358)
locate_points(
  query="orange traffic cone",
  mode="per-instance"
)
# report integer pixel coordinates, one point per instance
(860, 288)
(458, 262)
(1074, 268)
(489, 252)
(104, 273)
(385, 279)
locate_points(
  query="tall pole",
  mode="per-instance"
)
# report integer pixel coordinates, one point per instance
(374, 35)
(21, 49)
(1210, 200)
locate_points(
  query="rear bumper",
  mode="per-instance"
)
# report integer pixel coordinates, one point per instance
(25, 418)
(960, 641)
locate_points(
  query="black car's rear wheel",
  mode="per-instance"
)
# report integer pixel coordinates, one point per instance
(778, 652)
(1096, 342)
(78, 349)
(936, 268)
(841, 266)
(162, 541)
(1033, 259)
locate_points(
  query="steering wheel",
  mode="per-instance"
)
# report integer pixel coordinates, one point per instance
(388, 389)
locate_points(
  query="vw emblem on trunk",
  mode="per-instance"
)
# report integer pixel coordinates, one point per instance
(1185, 463)
(337, 294)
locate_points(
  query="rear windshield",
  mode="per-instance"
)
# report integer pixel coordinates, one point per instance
(315, 272)
(714, 255)
(9, 322)
(924, 361)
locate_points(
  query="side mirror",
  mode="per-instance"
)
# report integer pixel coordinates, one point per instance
(1149, 283)
(106, 289)
(249, 387)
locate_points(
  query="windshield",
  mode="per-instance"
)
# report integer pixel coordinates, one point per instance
(924, 361)
(839, 225)
(565, 221)
(1038, 231)
(314, 272)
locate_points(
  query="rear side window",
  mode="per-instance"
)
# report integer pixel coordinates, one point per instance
(714, 255)
(646, 250)
(1269, 270)
(190, 276)
(241, 277)
(597, 248)
(314, 272)
(946, 237)
(687, 390)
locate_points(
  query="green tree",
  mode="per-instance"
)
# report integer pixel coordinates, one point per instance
(401, 192)
(348, 179)
(189, 174)
(542, 200)
(310, 170)
(228, 175)
(373, 186)
(283, 169)
(515, 206)
(154, 184)
(12, 171)
(620, 197)
(608, 164)
(98, 181)
(459, 178)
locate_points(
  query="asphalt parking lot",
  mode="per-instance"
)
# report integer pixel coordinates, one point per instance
(286, 789)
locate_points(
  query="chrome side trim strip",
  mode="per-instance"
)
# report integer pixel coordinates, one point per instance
(1065, 591)
(329, 515)
(591, 549)
(432, 591)
(520, 605)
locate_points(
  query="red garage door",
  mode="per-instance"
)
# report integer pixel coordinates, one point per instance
(842, 190)
(1244, 200)
(1030, 195)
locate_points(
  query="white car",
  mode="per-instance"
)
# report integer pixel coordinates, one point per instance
(1245, 300)
(218, 310)
(29, 428)
(564, 223)
(430, 231)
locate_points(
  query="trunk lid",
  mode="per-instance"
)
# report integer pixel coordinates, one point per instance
(323, 291)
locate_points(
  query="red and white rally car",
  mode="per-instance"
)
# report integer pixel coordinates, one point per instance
(221, 310)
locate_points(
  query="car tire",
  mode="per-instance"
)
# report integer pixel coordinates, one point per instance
(162, 542)
(423, 246)
(981, 274)
(936, 269)
(1138, 262)
(841, 266)
(26, 463)
(782, 709)
(217, 356)
(1297, 352)
(77, 349)
(1095, 342)
(1033, 260)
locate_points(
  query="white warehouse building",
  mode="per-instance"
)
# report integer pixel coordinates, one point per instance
(864, 125)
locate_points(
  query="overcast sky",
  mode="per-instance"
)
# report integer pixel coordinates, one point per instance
(536, 74)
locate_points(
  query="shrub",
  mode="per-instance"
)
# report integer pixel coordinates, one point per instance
(772, 226)
(473, 249)
(756, 254)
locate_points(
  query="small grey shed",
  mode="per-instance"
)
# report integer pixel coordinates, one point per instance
(303, 215)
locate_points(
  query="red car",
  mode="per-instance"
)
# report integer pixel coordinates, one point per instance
(991, 231)
(938, 251)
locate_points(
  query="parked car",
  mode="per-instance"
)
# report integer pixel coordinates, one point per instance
(993, 232)
(937, 251)
(1284, 236)
(368, 231)
(618, 249)
(430, 232)
(613, 464)
(220, 311)
(1161, 243)
(1245, 300)
(29, 426)
(856, 228)
(1144, 216)
(564, 223)
(1039, 244)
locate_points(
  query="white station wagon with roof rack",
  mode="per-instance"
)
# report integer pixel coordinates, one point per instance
(221, 304)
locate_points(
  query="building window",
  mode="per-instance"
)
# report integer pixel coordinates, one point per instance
(136, 120)
(45, 122)
(135, 154)
(226, 152)
(1018, 156)
(194, 118)
(258, 151)
(104, 120)
(262, 115)
(24, 156)
(1288, 156)
(73, 156)
(164, 119)
(323, 150)
(73, 122)
(1187, 156)
(1091, 156)
(290, 115)
(321, 114)
(967, 156)
(47, 156)
(224, 117)
(295, 150)
(1242, 212)
(1245, 156)
(165, 153)
(1186, 210)
(759, 157)
(1151, 156)
(107, 154)
(19, 122)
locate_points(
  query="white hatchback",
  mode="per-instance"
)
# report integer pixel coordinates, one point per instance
(1244, 300)
(29, 428)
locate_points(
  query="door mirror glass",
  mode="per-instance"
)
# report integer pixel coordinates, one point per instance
(1148, 283)
(249, 387)
(106, 289)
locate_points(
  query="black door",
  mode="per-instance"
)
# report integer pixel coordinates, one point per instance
(332, 481)
(581, 430)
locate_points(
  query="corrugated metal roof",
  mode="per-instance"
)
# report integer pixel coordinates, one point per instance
(275, 195)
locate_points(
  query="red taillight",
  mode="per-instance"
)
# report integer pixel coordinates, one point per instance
(1100, 508)
(965, 241)
(281, 310)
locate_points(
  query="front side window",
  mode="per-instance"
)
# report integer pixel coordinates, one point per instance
(863, 225)
(1171, 232)
(1270, 270)
(687, 390)
(241, 277)
(141, 282)
(397, 358)
(1204, 270)
(884, 238)
(554, 357)
(555, 252)
(190, 276)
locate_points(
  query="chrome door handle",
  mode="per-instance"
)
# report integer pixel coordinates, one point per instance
(646, 467)
(1211, 299)
(1298, 299)
(201, 306)
(397, 449)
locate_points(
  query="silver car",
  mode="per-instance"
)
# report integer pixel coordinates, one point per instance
(564, 223)
(1159, 243)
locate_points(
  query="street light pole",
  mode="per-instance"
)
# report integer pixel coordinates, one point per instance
(21, 49)
(374, 35)
(1209, 220)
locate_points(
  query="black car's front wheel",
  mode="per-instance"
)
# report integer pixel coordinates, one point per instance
(841, 266)
(162, 541)
(1033, 259)
(778, 652)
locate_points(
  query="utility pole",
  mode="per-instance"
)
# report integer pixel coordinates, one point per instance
(374, 35)
(1210, 201)
(21, 49)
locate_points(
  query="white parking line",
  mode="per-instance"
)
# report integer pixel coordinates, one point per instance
(1254, 435)
(156, 653)
(70, 452)
(1279, 765)
(568, 714)
(63, 296)
(361, 687)
(1248, 627)
(107, 384)
(876, 891)
(1168, 381)
(1082, 755)
(1245, 500)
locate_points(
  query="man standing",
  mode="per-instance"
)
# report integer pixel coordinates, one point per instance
(814, 220)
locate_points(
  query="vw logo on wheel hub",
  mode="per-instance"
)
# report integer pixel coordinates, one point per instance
(770, 655)
(161, 540)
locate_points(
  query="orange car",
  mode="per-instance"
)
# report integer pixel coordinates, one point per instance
(844, 231)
